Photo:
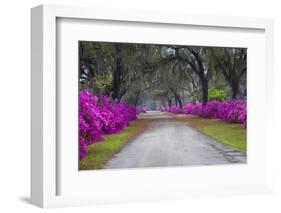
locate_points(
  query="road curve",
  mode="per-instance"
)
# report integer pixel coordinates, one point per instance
(168, 142)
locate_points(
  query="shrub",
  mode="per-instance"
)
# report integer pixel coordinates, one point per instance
(173, 109)
(212, 109)
(193, 108)
(187, 109)
(176, 109)
(234, 111)
(99, 116)
(216, 94)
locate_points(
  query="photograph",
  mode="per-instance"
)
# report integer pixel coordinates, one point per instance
(161, 105)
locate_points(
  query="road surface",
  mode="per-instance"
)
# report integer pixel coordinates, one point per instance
(168, 142)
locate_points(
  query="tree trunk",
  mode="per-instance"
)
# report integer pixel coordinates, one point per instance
(176, 101)
(235, 89)
(169, 101)
(204, 79)
(180, 102)
(116, 82)
(177, 98)
(204, 85)
(137, 97)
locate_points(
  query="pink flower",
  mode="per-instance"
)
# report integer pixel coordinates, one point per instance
(99, 116)
(234, 111)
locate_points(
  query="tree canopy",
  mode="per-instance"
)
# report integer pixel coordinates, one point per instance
(153, 75)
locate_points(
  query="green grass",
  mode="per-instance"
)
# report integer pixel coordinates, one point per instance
(230, 134)
(100, 153)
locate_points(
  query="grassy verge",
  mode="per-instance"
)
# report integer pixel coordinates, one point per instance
(230, 134)
(100, 153)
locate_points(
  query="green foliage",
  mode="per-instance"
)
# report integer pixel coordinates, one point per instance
(216, 94)
(103, 82)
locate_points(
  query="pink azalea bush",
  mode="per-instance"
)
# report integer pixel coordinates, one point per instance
(99, 116)
(193, 109)
(145, 109)
(141, 109)
(234, 111)
(173, 109)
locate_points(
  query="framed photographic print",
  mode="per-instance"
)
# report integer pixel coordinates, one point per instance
(130, 106)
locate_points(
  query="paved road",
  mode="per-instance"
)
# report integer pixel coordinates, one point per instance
(168, 142)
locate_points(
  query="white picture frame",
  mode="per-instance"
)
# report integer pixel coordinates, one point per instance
(44, 153)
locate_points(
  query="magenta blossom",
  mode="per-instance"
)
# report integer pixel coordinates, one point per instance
(99, 116)
(234, 111)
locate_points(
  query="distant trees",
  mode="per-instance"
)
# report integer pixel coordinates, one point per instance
(171, 82)
(193, 86)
